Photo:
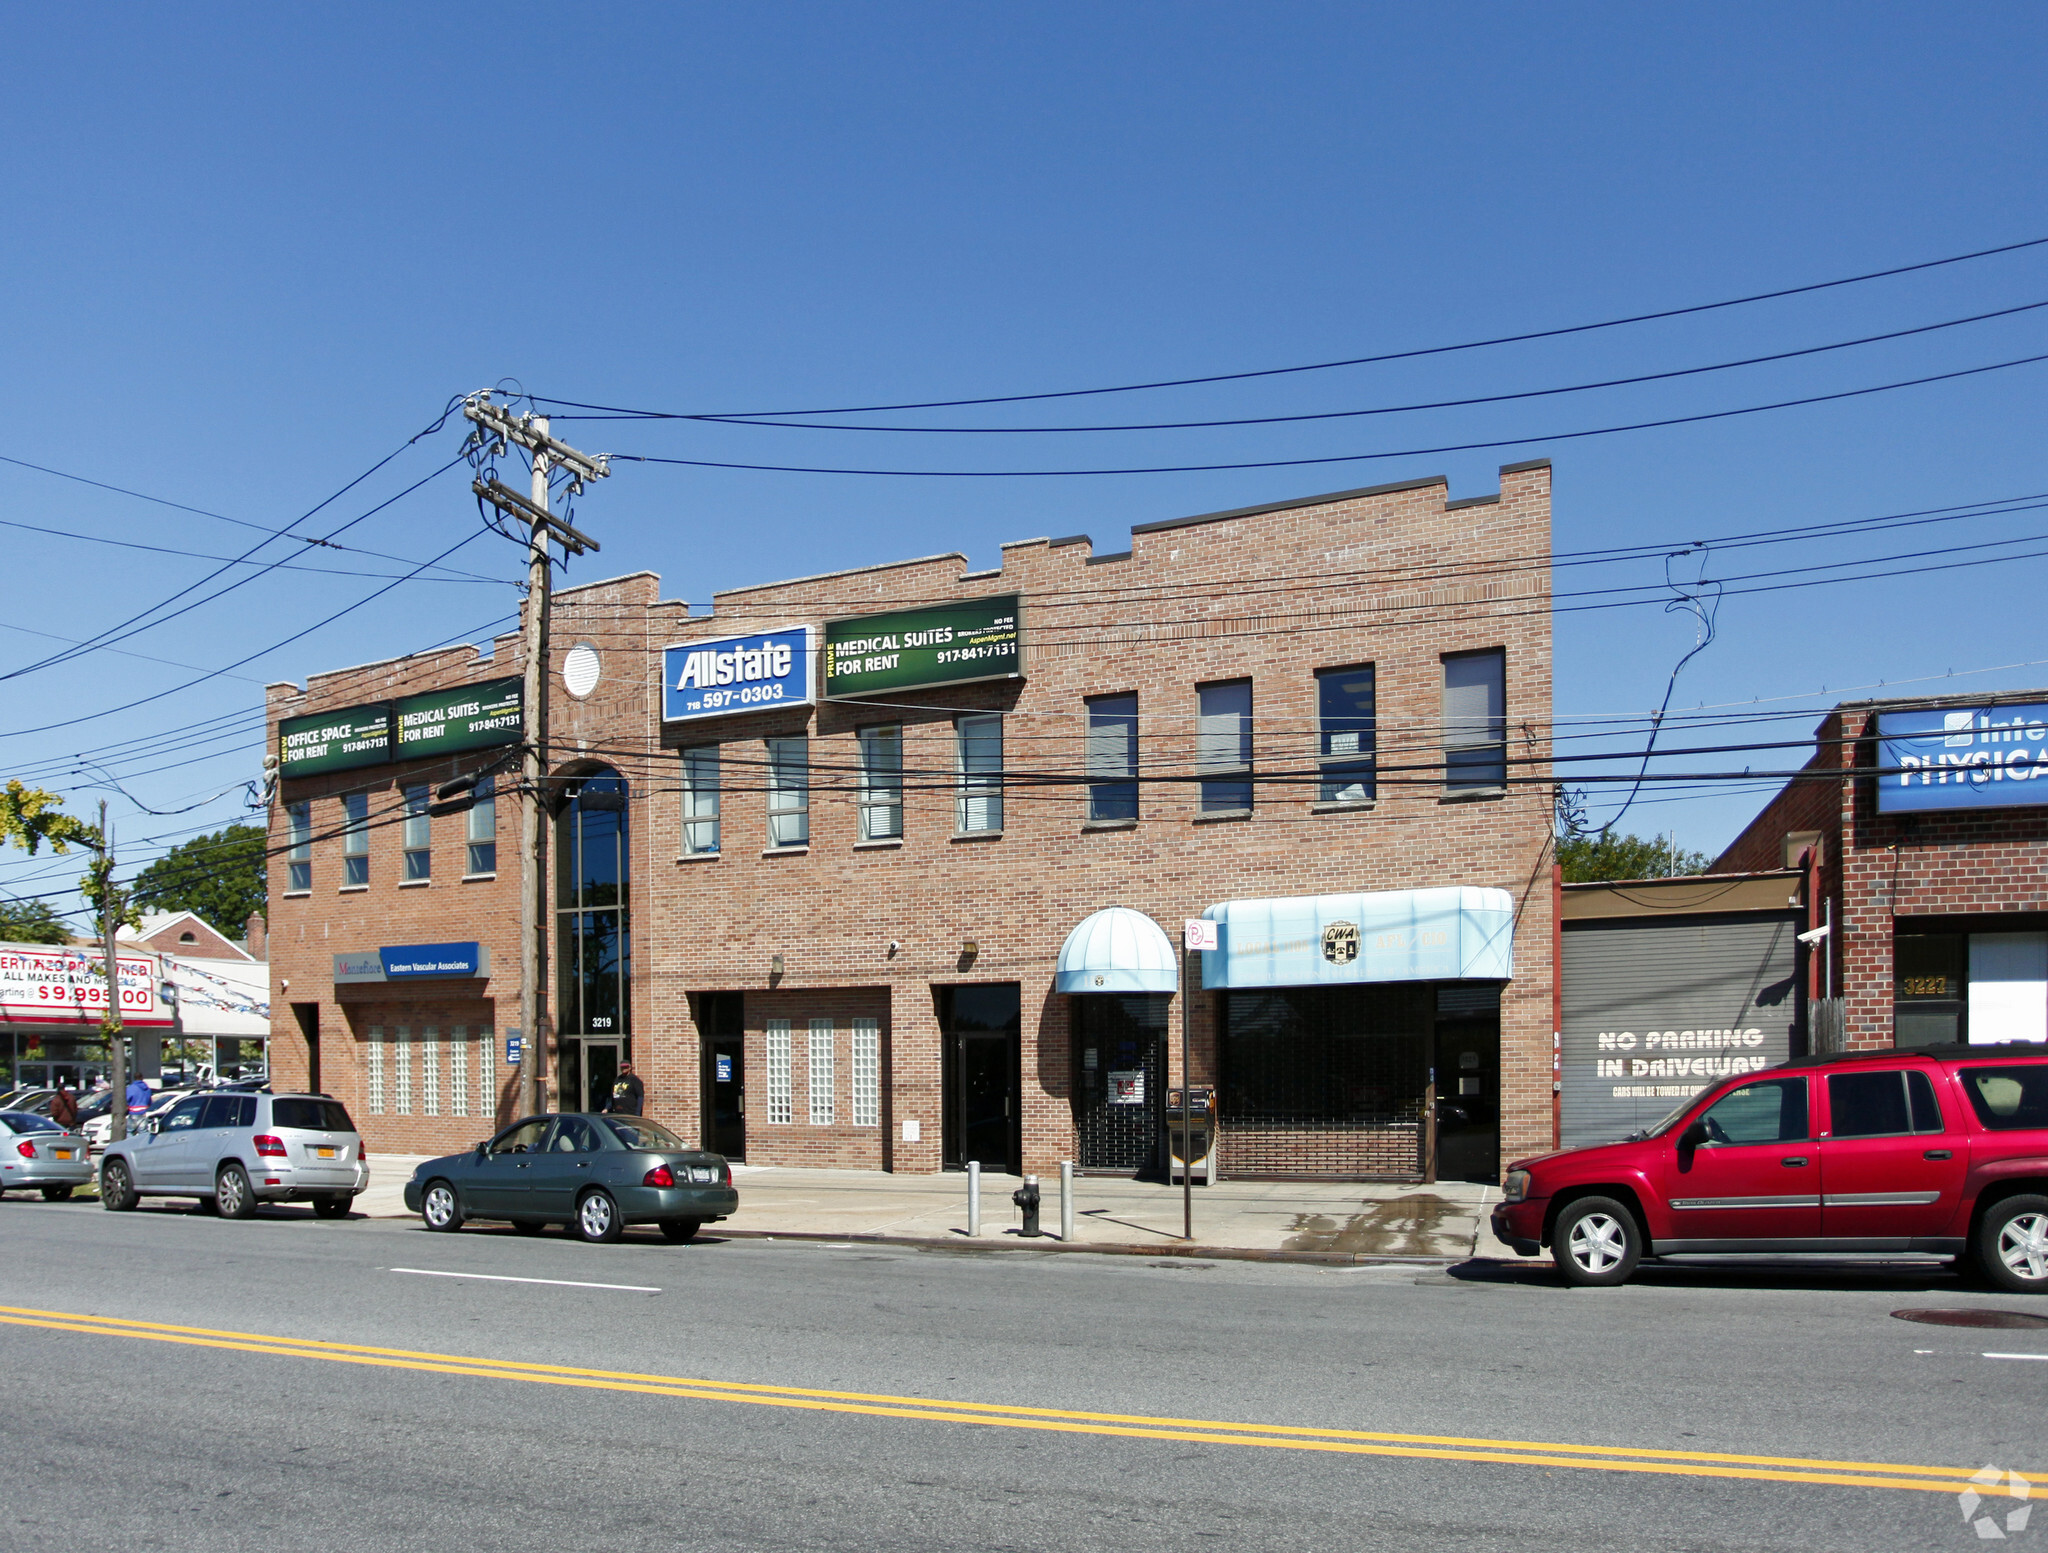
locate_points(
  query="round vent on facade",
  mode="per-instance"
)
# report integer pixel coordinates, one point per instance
(580, 670)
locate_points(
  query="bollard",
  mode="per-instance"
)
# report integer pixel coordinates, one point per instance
(974, 1197)
(1066, 1200)
(1026, 1197)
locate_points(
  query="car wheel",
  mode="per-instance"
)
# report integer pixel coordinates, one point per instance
(2012, 1246)
(56, 1194)
(597, 1217)
(1596, 1243)
(680, 1229)
(332, 1205)
(117, 1187)
(528, 1226)
(232, 1193)
(440, 1208)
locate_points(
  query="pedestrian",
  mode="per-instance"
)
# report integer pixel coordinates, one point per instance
(628, 1093)
(64, 1107)
(139, 1096)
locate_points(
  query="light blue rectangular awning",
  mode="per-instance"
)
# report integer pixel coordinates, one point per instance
(1456, 933)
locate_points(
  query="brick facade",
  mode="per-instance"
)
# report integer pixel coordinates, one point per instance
(1396, 576)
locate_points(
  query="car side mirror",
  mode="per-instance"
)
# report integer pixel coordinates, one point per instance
(1693, 1137)
(155, 1125)
(483, 1147)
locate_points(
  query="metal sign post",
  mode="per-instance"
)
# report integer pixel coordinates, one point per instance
(1196, 933)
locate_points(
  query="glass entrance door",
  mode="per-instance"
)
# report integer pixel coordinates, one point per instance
(983, 1116)
(600, 1072)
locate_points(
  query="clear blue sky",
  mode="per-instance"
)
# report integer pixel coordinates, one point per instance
(251, 249)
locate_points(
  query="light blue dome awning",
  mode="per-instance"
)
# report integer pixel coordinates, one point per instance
(1117, 950)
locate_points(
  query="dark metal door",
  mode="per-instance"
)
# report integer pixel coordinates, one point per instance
(1468, 1100)
(981, 1023)
(728, 1064)
(985, 1101)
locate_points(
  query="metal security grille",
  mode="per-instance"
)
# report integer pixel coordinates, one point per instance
(1326, 1080)
(866, 1071)
(781, 1101)
(1119, 1062)
(373, 1050)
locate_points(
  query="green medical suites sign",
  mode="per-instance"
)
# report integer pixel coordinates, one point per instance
(911, 649)
(470, 717)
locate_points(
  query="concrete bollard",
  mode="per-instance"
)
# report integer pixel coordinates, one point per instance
(1066, 1201)
(974, 1197)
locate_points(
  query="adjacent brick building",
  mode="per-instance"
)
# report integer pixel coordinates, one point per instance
(1935, 916)
(831, 932)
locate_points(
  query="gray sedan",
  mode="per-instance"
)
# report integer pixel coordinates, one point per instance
(37, 1153)
(595, 1173)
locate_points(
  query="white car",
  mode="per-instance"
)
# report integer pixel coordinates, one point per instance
(233, 1150)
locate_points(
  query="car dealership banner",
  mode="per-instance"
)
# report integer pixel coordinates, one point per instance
(914, 649)
(729, 674)
(435, 722)
(1985, 757)
(48, 984)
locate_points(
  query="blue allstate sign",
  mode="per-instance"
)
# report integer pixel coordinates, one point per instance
(1982, 757)
(731, 674)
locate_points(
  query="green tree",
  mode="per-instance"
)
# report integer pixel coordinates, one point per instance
(220, 877)
(1597, 857)
(32, 922)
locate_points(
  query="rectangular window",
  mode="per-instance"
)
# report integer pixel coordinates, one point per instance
(481, 835)
(881, 783)
(401, 1070)
(373, 1061)
(700, 801)
(355, 839)
(298, 820)
(1223, 746)
(419, 833)
(781, 1106)
(1475, 720)
(2009, 1099)
(866, 1071)
(430, 1072)
(1113, 757)
(458, 1070)
(1881, 1105)
(981, 772)
(821, 1079)
(1345, 737)
(789, 792)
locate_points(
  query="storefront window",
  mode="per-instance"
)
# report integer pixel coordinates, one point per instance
(591, 868)
(1929, 972)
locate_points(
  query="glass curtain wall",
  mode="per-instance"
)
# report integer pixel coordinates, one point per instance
(592, 927)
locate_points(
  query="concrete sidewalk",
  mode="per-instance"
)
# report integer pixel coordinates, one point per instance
(1323, 1220)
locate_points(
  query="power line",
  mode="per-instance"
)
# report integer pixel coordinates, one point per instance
(200, 555)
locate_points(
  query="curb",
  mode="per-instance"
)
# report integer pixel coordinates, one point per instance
(1052, 1243)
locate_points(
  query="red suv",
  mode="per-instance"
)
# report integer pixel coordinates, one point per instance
(1942, 1149)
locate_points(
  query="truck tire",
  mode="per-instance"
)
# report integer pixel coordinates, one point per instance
(2012, 1244)
(1596, 1243)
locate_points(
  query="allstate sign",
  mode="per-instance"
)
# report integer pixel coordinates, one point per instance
(1982, 757)
(731, 674)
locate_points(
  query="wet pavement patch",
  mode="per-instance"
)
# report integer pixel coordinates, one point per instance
(1417, 1224)
(1973, 1318)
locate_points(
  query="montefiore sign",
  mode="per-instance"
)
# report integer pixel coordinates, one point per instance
(1985, 757)
(737, 674)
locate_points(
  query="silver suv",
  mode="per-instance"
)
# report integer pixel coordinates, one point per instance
(232, 1151)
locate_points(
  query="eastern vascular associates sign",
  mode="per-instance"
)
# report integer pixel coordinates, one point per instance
(729, 674)
(1986, 757)
(48, 985)
(405, 962)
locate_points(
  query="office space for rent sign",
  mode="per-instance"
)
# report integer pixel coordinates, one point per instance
(435, 722)
(914, 649)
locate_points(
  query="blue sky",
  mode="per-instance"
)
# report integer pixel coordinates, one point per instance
(251, 250)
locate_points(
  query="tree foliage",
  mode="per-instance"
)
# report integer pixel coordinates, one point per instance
(30, 816)
(32, 922)
(220, 877)
(1597, 857)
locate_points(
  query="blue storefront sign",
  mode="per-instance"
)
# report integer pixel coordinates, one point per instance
(1457, 933)
(724, 1068)
(1984, 757)
(731, 674)
(402, 961)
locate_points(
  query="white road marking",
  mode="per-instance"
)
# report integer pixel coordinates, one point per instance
(566, 1283)
(2016, 1356)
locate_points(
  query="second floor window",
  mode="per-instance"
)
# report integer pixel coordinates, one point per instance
(419, 834)
(1223, 746)
(1113, 757)
(482, 837)
(355, 839)
(1475, 720)
(298, 819)
(700, 801)
(881, 783)
(789, 792)
(1344, 738)
(981, 772)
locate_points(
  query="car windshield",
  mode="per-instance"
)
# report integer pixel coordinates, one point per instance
(1668, 1123)
(27, 1121)
(311, 1115)
(638, 1134)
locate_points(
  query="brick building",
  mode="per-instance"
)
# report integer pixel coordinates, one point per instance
(878, 868)
(1923, 828)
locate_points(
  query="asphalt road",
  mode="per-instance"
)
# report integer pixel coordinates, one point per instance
(172, 1381)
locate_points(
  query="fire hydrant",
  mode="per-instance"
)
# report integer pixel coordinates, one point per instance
(1026, 1197)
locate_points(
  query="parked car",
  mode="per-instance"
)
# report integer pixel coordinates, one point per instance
(233, 1151)
(594, 1173)
(36, 1153)
(1940, 1149)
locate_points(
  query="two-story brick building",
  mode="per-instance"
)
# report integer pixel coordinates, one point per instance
(887, 867)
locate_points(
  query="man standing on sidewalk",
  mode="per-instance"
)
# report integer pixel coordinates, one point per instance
(628, 1093)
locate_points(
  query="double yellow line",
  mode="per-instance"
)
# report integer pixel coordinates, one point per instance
(1350, 1442)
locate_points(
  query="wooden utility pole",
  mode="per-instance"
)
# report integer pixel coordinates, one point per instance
(110, 1022)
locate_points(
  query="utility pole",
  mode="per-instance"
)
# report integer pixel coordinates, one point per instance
(110, 1022)
(497, 431)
